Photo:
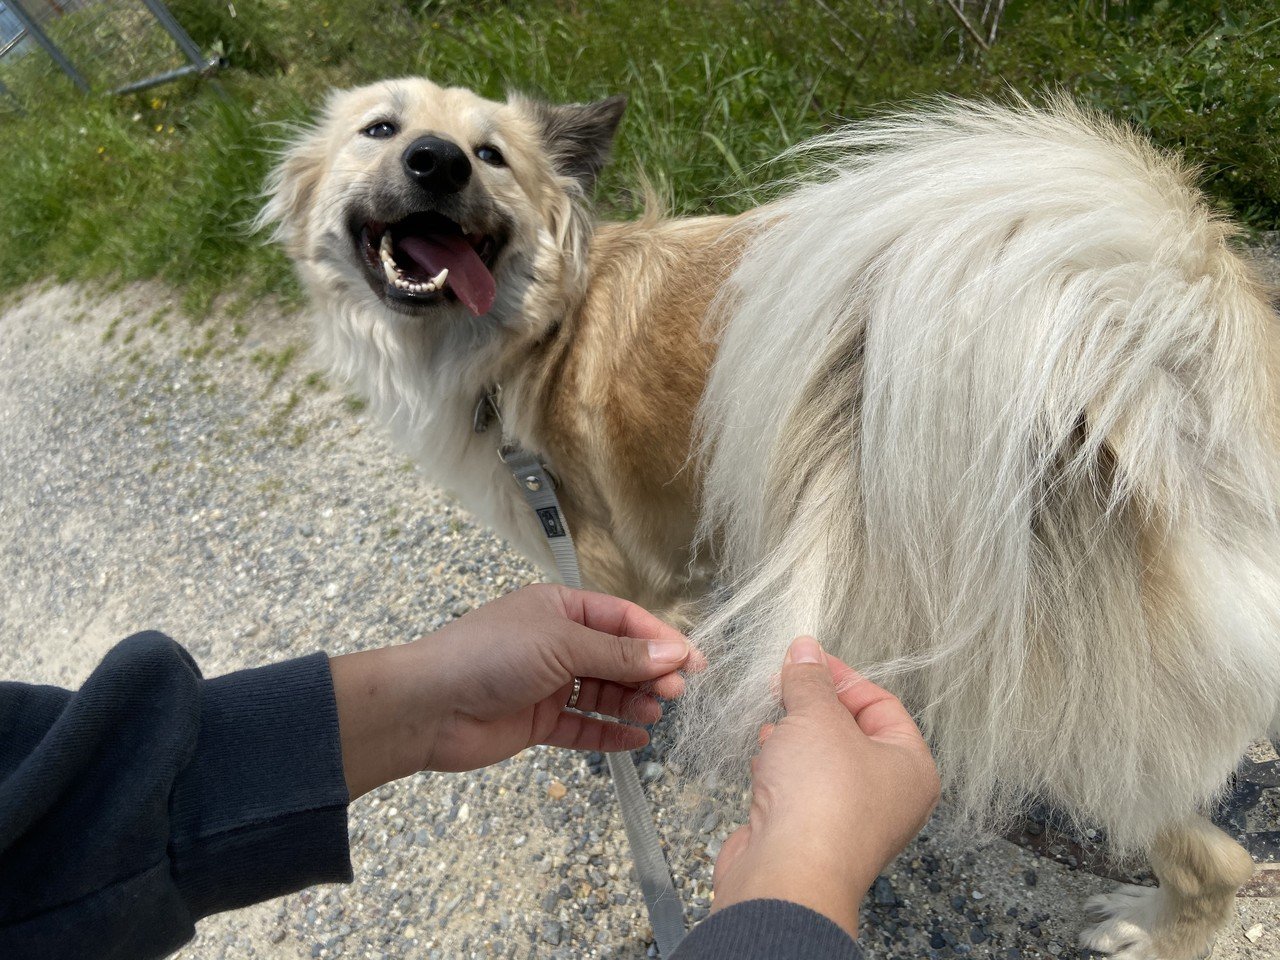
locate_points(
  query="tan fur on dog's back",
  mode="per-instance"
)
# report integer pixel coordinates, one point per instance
(618, 387)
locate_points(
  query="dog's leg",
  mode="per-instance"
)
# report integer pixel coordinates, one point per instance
(1199, 868)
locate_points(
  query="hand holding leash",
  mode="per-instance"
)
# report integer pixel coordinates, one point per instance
(501, 679)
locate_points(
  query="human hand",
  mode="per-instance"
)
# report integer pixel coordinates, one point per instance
(496, 681)
(840, 786)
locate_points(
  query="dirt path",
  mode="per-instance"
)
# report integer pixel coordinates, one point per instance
(204, 481)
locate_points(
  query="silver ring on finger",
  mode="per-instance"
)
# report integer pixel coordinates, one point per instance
(573, 697)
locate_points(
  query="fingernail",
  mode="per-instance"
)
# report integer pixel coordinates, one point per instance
(805, 650)
(668, 651)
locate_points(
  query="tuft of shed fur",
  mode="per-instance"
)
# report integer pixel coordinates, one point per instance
(994, 417)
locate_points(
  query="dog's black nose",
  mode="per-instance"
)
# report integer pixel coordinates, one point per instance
(437, 164)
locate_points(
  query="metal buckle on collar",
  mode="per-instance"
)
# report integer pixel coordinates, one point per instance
(509, 452)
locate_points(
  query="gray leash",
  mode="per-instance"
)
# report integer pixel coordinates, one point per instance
(666, 913)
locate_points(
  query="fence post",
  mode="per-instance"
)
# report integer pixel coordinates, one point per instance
(51, 48)
(175, 30)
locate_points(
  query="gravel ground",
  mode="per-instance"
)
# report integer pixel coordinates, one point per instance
(204, 481)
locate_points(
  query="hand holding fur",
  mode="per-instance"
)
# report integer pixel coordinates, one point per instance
(841, 784)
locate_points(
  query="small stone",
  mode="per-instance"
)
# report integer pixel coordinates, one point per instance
(650, 771)
(277, 935)
(1254, 933)
(1030, 878)
(556, 790)
(979, 895)
(957, 904)
(882, 893)
(937, 941)
(552, 932)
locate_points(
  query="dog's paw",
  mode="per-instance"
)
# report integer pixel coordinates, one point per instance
(1133, 923)
(1124, 921)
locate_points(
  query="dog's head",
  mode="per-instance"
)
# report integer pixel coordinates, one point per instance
(435, 204)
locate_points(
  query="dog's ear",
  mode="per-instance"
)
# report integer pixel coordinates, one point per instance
(578, 136)
(290, 189)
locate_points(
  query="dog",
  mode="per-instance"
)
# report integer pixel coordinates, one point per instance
(988, 404)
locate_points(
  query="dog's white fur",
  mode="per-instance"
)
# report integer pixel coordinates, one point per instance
(1017, 458)
(993, 414)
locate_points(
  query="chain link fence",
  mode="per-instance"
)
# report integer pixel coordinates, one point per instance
(99, 46)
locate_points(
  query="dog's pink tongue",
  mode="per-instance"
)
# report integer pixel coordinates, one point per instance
(469, 277)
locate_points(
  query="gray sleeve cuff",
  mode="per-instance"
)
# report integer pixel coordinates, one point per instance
(261, 809)
(767, 930)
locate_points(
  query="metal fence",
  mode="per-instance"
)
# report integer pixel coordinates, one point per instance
(99, 46)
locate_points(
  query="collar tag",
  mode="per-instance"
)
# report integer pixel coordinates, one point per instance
(486, 411)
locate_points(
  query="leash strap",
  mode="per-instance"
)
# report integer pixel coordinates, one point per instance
(540, 493)
(666, 913)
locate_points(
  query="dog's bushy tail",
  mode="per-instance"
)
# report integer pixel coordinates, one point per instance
(994, 417)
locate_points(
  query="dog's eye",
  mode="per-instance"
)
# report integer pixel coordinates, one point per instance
(491, 156)
(380, 130)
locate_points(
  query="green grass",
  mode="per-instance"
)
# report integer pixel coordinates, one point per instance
(275, 364)
(162, 184)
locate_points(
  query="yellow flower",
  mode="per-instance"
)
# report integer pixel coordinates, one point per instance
(159, 127)
(102, 149)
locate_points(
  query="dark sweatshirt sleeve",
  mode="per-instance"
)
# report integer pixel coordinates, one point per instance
(767, 930)
(152, 797)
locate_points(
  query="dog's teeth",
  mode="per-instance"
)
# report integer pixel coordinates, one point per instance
(390, 270)
(385, 247)
(438, 280)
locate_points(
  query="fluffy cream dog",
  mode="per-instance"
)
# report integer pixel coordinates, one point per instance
(989, 405)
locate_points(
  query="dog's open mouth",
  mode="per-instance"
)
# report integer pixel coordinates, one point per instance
(427, 258)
